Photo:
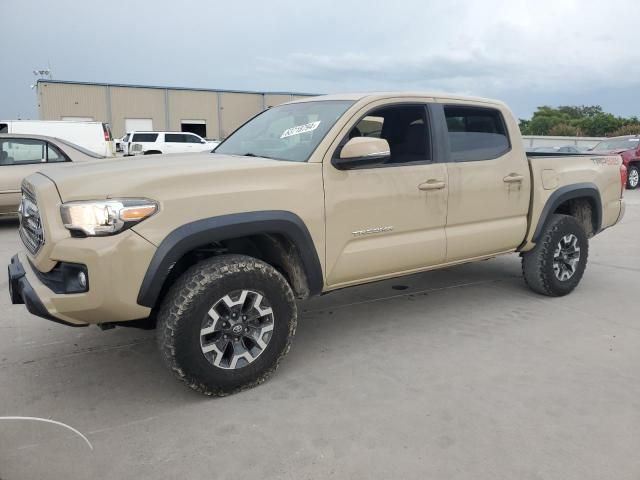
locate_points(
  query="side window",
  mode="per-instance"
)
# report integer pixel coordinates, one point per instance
(174, 137)
(4, 128)
(192, 138)
(404, 127)
(144, 137)
(476, 133)
(54, 155)
(22, 151)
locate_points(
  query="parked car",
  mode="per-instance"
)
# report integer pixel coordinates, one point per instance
(22, 155)
(628, 147)
(93, 136)
(148, 143)
(214, 248)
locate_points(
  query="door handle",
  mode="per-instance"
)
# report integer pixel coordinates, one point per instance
(513, 178)
(432, 185)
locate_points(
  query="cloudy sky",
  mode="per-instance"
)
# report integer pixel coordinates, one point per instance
(525, 52)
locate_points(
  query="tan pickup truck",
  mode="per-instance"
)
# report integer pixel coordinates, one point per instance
(305, 198)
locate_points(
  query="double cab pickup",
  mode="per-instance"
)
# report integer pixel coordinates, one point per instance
(214, 249)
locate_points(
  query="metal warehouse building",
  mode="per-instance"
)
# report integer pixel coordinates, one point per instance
(209, 113)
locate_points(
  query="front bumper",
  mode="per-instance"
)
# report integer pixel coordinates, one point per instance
(21, 292)
(115, 267)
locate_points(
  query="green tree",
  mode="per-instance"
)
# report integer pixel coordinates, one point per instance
(583, 120)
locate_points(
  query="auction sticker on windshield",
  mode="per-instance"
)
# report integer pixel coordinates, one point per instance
(308, 127)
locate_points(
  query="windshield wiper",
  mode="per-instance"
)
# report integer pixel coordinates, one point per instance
(254, 155)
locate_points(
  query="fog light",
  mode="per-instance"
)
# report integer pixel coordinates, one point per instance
(82, 280)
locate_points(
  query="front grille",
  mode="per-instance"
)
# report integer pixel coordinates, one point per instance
(30, 229)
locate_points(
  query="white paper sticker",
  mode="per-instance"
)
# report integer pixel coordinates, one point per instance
(309, 127)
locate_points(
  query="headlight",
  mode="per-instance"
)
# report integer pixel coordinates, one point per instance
(106, 217)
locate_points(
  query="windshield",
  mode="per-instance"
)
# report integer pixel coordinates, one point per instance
(287, 132)
(623, 143)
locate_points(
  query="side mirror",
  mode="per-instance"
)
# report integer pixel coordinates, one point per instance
(362, 152)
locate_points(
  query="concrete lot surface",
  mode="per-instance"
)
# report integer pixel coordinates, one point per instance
(465, 374)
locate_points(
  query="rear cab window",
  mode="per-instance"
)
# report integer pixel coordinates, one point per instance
(476, 133)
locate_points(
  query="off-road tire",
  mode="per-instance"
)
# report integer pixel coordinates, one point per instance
(632, 173)
(187, 303)
(537, 264)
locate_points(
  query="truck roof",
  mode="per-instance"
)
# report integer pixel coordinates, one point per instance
(372, 96)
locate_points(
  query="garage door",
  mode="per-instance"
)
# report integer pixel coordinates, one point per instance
(138, 124)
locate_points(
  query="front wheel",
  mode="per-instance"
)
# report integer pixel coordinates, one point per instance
(633, 177)
(226, 324)
(556, 265)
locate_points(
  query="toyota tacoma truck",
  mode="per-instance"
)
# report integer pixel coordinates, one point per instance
(214, 249)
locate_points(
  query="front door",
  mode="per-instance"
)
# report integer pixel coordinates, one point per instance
(489, 183)
(388, 219)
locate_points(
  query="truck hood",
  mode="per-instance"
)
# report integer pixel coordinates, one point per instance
(145, 176)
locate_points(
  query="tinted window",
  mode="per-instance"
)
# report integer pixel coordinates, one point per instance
(4, 128)
(404, 127)
(21, 151)
(174, 138)
(193, 139)
(475, 133)
(144, 137)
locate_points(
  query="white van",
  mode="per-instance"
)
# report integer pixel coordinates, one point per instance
(94, 136)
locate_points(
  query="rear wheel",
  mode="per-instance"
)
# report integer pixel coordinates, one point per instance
(633, 177)
(556, 265)
(226, 324)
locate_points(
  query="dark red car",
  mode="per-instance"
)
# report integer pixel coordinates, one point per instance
(628, 147)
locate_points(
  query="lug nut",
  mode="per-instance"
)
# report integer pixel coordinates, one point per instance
(226, 337)
(244, 317)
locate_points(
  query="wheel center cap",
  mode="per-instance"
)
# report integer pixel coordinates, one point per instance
(237, 328)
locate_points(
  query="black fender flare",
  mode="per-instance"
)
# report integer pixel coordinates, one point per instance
(203, 232)
(569, 192)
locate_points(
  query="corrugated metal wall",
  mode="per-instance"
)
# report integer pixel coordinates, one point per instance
(57, 100)
(222, 111)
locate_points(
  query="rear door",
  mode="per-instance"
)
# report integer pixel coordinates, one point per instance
(489, 181)
(388, 219)
(176, 143)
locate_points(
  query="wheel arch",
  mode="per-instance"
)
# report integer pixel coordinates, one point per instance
(570, 200)
(279, 235)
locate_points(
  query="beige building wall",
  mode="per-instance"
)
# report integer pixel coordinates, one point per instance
(56, 100)
(222, 111)
(272, 99)
(127, 102)
(237, 108)
(194, 105)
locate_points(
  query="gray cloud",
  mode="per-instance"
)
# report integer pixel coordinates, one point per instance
(524, 52)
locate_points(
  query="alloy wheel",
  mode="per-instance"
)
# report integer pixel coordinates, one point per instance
(237, 329)
(566, 257)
